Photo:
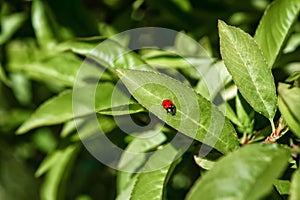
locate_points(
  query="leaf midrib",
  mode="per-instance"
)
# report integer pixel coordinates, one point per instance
(248, 70)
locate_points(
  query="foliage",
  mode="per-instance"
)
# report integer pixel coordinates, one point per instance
(235, 139)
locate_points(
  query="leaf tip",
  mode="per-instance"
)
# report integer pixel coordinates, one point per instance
(221, 23)
(20, 130)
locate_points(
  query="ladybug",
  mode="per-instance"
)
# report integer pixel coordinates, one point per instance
(169, 106)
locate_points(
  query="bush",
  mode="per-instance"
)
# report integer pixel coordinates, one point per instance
(82, 90)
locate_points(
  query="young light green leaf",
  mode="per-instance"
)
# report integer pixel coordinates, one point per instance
(289, 106)
(47, 163)
(247, 174)
(151, 185)
(129, 163)
(282, 186)
(295, 186)
(21, 87)
(229, 113)
(10, 24)
(248, 68)
(245, 115)
(274, 27)
(196, 117)
(125, 109)
(43, 24)
(56, 178)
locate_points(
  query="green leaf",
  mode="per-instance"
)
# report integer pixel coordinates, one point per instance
(247, 173)
(108, 52)
(196, 117)
(88, 127)
(59, 109)
(294, 78)
(289, 106)
(47, 163)
(274, 27)
(248, 68)
(230, 113)
(10, 24)
(12, 118)
(151, 185)
(82, 46)
(204, 163)
(43, 24)
(245, 115)
(164, 59)
(21, 87)
(126, 109)
(295, 186)
(55, 110)
(207, 88)
(130, 163)
(282, 186)
(54, 185)
(3, 77)
(59, 69)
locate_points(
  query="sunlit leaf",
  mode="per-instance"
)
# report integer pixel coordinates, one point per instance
(274, 27)
(43, 24)
(248, 68)
(151, 185)
(10, 24)
(247, 173)
(54, 185)
(295, 186)
(130, 163)
(289, 106)
(196, 117)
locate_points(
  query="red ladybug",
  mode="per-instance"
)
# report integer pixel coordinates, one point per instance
(169, 106)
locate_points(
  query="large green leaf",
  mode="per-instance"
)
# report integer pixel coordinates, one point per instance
(295, 186)
(274, 27)
(59, 109)
(248, 68)
(247, 173)
(289, 106)
(196, 117)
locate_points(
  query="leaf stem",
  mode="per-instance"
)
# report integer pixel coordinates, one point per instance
(272, 125)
